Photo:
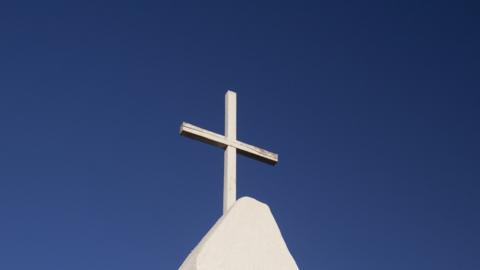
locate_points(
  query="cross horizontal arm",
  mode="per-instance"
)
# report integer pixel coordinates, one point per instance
(212, 138)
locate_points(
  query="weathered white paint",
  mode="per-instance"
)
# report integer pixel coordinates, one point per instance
(230, 155)
(230, 143)
(215, 139)
(245, 238)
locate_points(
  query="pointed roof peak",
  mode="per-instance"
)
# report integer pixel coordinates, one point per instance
(245, 237)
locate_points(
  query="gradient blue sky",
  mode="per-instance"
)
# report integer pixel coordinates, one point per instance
(373, 107)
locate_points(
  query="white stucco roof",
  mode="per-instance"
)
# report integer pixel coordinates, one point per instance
(245, 238)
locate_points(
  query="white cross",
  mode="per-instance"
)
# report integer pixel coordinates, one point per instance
(231, 145)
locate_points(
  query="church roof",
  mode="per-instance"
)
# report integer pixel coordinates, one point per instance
(245, 238)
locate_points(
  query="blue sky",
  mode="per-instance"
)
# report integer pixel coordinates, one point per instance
(372, 106)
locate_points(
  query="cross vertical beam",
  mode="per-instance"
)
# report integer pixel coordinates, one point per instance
(230, 155)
